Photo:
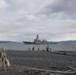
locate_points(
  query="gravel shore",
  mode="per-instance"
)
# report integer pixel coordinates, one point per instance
(23, 60)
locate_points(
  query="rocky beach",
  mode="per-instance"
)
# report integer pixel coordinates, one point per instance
(39, 62)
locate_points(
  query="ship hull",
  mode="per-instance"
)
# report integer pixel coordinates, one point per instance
(25, 42)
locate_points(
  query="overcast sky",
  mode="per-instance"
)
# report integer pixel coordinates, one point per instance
(53, 20)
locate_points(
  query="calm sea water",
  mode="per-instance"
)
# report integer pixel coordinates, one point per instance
(54, 47)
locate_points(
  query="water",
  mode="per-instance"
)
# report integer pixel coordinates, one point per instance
(54, 47)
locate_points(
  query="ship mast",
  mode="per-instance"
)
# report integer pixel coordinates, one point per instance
(37, 37)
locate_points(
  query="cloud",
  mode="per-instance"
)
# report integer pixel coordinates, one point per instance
(3, 4)
(23, 19)
(60, 7)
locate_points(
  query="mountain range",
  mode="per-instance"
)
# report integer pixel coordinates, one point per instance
(67, 41)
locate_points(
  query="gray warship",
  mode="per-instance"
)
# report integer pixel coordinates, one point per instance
(38, 41)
